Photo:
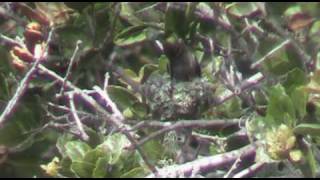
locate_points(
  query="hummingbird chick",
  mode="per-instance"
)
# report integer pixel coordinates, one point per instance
(183, 64)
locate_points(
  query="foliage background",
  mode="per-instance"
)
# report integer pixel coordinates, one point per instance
(229, 39)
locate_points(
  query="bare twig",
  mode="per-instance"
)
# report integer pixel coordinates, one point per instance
(92, 102)
(280, 46)
(250, 171)
(205, 164)
(249, 83)
(233, 167)
(304, 57)
(76, 118)
(4, 40)
(189, 124)
(116, 112)
(74, 56)
(115, 121)
(11, 106)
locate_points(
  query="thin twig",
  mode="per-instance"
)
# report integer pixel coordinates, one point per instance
(4, 40)
(233, 167)
(249, 83)
(189, 124)
(274, 25)
(116, 112)
(261, 60)
(11, 106)
(92, 102)
(76, 118)
(205, 164)
(250, 171)
(115, 121)
(74, 56)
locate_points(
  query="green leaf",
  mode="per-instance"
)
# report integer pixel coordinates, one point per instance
(145, 71)
(61, 142)
(93, 155)
(163, 64)
(295, 78)
(127, 113)
(76, 150)
(121, 96)
(153, 149)
(299, 100)
(243, 9)
(131, 35)
(140, 110)
(280, 108)
(307, 129)
(134, 173)
(129, 73)
(128, 13)
(82, 169)
(100, 170)
(176, 21)
(114, 145)
(310, 166)
(66, 167)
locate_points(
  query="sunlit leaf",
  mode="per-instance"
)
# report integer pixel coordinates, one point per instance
(131, 35)
(76, 150)
(308, 129)
(82, 169)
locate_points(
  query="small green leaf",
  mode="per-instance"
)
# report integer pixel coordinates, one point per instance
(310, 166)
(128, 13)
(295, 78)
(131, 35)
(61, 142)
(121, 96)
(153, 149)
(307, 129)
(127, 113)
(145, 71)
(280, 108)
(177, 22)
(82, 169)
(134, 173)
(243, 9)
(131, 74)
(163, 64)
(299, 100)
(66, 167)
(93, 155)
(100, 170)
(139, 109)
(114, 145)
(76, 150)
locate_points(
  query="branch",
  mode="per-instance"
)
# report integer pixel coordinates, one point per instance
(258, 63)
(204, 165)
(249, 172)
(11, 106)
(76, 118)
(249, 83)
(75, 55)
(92, 102)
(4, 40)
(117, 123)
(103, 93)
(190, 124)
(304, 57)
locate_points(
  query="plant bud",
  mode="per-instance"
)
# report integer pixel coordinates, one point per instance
(34, 26)
(33, 14)
(17, 63)
(23, 54)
